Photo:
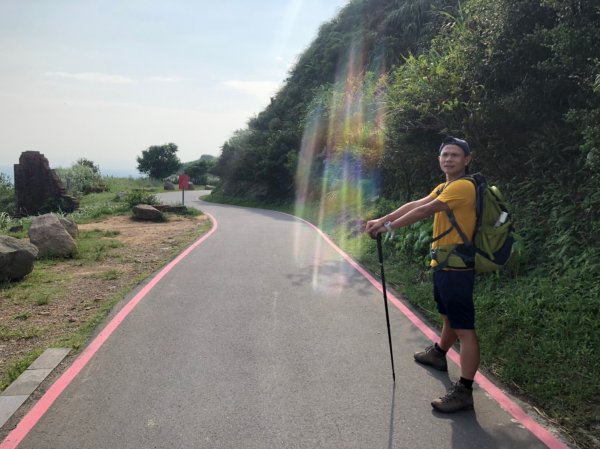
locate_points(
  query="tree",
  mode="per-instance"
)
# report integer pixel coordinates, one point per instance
(198, 170)
(87, 163)
(159, 161)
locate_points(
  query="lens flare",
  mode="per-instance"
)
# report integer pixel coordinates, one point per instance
(342, 144)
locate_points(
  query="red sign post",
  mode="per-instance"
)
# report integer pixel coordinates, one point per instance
(184, 184)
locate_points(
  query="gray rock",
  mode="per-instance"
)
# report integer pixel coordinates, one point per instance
(16, 258)
(50, 236)
(70, 226)
(146, 212)
(169, 186)
(176, 209)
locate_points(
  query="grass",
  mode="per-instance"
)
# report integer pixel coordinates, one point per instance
(16, 368)
(7, 223)
(39, 288)
(19, 334)
(110, 275)
(95, 245)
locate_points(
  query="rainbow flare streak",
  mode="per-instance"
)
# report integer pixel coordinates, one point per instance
(342, 144)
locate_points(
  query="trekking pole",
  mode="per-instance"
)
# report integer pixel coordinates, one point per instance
(385, 301)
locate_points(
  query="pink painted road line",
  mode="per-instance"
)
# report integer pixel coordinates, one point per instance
(487, 385)
(15, 437)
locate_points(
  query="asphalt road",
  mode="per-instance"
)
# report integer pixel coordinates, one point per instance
(264, 337)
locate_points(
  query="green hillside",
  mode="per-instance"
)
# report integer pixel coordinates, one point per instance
(354, 132)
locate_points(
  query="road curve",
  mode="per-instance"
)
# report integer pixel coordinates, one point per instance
(263, 336)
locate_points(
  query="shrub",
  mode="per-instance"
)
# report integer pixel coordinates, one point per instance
(7, 195)
(81, 180)
(135, 197)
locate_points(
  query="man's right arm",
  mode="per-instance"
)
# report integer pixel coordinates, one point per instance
(403, 210)
(400, 212)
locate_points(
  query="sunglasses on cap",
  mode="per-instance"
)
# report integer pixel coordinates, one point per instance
(458, 142)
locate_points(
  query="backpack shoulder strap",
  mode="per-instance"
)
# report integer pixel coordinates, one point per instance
(481, 185)
(452, 218)
(454, 223)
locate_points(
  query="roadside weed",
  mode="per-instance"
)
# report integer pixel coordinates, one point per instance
(110, 275)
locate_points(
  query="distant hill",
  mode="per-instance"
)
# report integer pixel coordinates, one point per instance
(203, 158)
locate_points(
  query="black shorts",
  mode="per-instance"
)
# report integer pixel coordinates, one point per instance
(453, 293)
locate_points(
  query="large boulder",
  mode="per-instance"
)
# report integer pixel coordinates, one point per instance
(50, 236)
(16, 258)
(147, 212)
(38, 188)
(70, 226)
(169, 186)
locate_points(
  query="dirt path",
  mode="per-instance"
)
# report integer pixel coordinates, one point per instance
(77, 293)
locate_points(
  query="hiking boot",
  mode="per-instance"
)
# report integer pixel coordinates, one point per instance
(457, 398)
(432, 357)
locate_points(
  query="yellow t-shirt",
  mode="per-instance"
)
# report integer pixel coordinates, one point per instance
(459, 195)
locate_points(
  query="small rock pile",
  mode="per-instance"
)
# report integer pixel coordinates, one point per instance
(49, 236)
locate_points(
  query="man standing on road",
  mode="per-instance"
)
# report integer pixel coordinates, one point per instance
(453, 277)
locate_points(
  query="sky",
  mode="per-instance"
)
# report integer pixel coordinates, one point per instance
(106, 79)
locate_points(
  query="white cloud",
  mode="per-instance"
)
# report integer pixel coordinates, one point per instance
(166, 79)
(93, 77)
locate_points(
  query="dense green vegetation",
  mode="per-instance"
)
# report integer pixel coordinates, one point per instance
(355, 130)
(200, 170)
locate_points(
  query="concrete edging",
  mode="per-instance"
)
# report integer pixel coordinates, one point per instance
(19, 391)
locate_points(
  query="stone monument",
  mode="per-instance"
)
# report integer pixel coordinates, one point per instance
(38, 189)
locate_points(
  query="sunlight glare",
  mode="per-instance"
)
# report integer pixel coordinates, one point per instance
(342, 144)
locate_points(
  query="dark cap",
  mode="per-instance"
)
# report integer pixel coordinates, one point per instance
(458, 142)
